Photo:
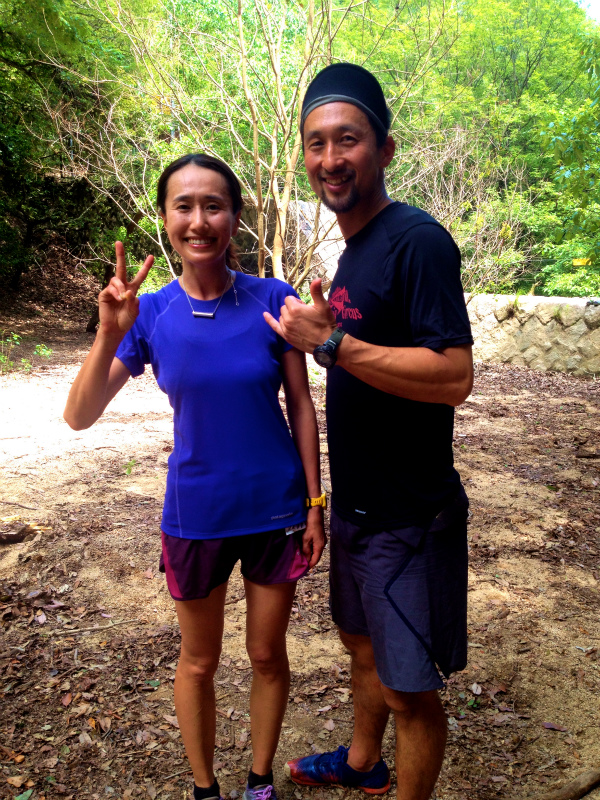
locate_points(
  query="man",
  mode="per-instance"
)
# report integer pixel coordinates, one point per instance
(396, 340)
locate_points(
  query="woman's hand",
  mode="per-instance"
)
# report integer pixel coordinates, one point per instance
(117, 304)
(313, 538)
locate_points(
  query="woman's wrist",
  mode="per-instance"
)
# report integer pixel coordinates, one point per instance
(108, 338)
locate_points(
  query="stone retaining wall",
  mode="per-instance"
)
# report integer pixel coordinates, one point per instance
(545, 333)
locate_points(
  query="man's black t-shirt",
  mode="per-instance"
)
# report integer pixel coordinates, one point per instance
(397, 284)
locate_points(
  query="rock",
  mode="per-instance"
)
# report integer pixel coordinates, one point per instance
(591, 317)
(546, 333)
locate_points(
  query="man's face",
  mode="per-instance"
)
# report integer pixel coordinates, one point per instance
(343, 163)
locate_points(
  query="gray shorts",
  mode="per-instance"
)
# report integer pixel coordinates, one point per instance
(407, 590)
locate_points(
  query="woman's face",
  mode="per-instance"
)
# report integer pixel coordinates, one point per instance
(198, 217)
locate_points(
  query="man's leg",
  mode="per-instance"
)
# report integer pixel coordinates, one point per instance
(420, 725)
(421, 733)
(371, 711)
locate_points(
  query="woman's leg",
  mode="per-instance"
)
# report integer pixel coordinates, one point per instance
(267, 617)
(201, 623)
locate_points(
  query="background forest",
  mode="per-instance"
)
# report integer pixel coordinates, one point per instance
(496, 108)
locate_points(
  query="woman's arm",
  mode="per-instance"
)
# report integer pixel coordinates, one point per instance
(102, 375)
(303, 423)
(98, 381)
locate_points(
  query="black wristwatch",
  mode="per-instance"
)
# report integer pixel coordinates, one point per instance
(326, 354)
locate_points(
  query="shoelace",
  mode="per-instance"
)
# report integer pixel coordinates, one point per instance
(327, 759)
(262, 792)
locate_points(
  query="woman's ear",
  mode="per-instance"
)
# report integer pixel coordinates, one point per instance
(164, 219)
(236, 225)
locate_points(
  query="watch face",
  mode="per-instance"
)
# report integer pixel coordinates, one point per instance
(324, 358)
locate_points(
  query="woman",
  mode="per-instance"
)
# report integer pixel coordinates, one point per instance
(237, 480)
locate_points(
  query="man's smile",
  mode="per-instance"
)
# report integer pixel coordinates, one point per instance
(337, 180)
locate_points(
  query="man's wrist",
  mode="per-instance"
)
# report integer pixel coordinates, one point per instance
(326, 354)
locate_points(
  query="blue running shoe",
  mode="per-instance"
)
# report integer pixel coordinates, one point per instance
(331, 769)
(264, 792)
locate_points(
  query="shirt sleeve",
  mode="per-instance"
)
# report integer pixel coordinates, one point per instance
(428, 278)
(133, 350)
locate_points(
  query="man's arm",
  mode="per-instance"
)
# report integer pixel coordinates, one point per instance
(416, 373)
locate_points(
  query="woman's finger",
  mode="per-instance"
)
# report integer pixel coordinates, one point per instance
(114, 291)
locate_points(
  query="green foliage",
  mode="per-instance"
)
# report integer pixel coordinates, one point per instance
(46, 51)
(43, 350)
(573, 139)
(88, 119)
(9, 342)
(128, 467)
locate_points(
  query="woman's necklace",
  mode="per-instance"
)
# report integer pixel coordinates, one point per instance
(211, 314)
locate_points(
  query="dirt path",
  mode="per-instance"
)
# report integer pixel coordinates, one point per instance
(89, 713)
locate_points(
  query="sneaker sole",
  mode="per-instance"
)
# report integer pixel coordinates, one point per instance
(307, 782)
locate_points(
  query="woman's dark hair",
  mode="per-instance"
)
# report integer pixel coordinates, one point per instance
(207, 162)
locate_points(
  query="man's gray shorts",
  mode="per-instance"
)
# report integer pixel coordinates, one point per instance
(407, 590)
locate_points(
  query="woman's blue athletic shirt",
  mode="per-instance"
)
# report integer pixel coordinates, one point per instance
(234, 468)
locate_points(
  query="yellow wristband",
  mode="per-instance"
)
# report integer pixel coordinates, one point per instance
(311, 502)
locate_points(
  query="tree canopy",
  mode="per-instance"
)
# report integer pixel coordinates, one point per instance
(494, 103)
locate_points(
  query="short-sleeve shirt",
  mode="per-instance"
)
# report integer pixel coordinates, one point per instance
(397, 285)
(234, 468)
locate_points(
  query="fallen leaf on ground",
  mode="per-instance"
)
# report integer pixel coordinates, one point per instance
(552, 726)
(329, 724)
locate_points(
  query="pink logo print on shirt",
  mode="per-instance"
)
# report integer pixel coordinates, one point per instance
(339, 302)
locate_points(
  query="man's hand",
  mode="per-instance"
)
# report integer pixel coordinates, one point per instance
(304, 326)
(313, 538)
(118, 305)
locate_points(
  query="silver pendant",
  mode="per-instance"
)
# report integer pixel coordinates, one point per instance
(204, 314)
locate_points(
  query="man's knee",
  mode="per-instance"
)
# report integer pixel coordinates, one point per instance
(410, 705)
(360, 648)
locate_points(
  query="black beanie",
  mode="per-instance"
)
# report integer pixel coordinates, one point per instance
(348, 83)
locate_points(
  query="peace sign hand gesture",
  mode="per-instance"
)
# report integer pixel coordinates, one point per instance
(118, 304)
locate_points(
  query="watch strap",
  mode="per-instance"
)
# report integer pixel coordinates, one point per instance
(311, 502)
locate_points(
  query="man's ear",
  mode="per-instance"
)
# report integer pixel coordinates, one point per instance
(388, 150)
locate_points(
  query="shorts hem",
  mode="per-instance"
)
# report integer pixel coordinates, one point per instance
(277, 582)
(440, 685)
(363, 632)
(196, 597)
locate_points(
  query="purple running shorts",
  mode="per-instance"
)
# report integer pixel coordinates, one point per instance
(194, 567)
(407, 590)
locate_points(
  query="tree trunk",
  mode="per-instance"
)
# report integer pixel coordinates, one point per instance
(574, 790)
